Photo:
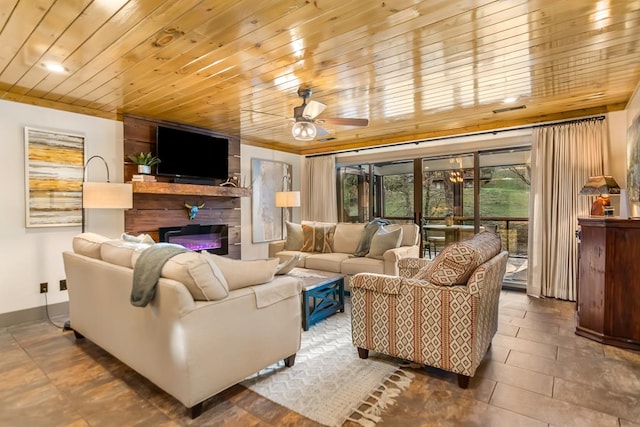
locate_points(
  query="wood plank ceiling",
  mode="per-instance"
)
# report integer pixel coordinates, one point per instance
(415, 69)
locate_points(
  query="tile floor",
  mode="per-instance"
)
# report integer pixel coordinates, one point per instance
(537, 373)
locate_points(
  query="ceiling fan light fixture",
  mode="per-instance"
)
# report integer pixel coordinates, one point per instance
(303, 131)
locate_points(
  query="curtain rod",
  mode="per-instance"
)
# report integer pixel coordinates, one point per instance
(444, 138)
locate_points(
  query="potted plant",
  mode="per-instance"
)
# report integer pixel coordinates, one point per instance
(144, 161)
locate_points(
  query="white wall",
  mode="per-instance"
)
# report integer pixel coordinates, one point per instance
(247, 152)
(29, 256)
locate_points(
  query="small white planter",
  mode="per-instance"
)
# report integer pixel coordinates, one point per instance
(144, 169)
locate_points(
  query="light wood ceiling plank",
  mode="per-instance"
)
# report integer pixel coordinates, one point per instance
(54, 23)
(24, 18)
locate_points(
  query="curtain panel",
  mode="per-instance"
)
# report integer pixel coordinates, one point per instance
(562, 158)
(319, 189)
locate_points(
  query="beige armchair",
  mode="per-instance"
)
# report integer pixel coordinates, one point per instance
(441, 313)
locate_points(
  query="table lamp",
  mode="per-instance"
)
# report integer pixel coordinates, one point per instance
(601, 186)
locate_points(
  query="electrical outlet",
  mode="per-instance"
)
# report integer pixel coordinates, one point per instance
(44, 287)
(63, 284)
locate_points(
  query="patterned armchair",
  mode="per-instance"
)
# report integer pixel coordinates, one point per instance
(441, 313)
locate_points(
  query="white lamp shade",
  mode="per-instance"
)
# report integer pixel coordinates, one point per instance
(303, 131)
(107, 195)
(287, 199)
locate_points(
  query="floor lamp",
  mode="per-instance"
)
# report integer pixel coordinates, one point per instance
(104, 195)
(287, 199)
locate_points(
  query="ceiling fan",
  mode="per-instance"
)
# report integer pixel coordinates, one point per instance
(306, 124)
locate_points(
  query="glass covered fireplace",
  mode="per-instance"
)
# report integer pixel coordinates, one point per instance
(211, 238)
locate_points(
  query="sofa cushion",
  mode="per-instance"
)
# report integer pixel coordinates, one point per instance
(347, 236)
(357, 265)
(457, 261)
(88, 244)
(202, 278)
(326, 262)
(240, 274)
(384, 240)
(120, 252)
(294, 237)
(317, 237)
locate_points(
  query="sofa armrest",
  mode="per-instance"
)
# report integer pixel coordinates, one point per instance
(275, 247)
(392, 256)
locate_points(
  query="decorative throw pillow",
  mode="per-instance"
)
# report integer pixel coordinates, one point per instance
(203, 279)
(457, 261)
(384, 240)
(294, 237)
(240, 274)
(140, 238)
(288, 265)
(317, 238)
(369, 230)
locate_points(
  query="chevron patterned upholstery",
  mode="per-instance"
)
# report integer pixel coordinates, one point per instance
(448, 327)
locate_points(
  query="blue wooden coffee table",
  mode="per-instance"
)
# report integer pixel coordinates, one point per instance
(322, 294)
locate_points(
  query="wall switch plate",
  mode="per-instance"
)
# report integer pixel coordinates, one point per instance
(63, 284)
(44, 287)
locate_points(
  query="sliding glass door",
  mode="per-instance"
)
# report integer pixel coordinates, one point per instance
(504, 205)
(454, 197)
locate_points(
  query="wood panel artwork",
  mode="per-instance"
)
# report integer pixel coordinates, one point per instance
(415, 70)
(162, 204)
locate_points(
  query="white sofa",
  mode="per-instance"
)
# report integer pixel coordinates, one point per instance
(343, 241)
(191, 349)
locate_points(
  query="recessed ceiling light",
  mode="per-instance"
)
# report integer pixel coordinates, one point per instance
(510, 100)
(54, 67)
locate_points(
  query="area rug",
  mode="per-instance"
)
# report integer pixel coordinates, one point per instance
(329, 383)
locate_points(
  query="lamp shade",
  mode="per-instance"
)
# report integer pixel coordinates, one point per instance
(107, 195)
(304, 131)
(287, 199)
(603, 184)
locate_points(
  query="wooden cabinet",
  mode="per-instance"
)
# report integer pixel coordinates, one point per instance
(608, 304)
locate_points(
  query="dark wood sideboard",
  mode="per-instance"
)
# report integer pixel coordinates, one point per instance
(608, 299)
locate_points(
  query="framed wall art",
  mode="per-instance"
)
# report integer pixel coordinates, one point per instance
(267, 178)
(53, 178)
(633, 160)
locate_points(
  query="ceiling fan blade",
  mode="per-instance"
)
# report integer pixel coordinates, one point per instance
(313, 109)
(269, 114)
(343, 121)
(320, 131)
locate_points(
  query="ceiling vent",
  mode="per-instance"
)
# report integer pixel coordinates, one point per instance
(504, 110)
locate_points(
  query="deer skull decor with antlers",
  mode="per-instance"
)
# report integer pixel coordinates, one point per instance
(193, 210)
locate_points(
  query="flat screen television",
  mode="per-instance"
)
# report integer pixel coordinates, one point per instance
(187, 155)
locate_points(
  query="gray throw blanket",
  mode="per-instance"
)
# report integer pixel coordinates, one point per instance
(147, 271)
(369, 231)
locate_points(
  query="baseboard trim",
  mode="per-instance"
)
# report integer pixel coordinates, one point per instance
(33, 314)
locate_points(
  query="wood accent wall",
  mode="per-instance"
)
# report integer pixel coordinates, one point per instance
(162, 204)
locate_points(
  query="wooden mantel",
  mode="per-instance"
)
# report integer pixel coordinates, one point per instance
(189, 189)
